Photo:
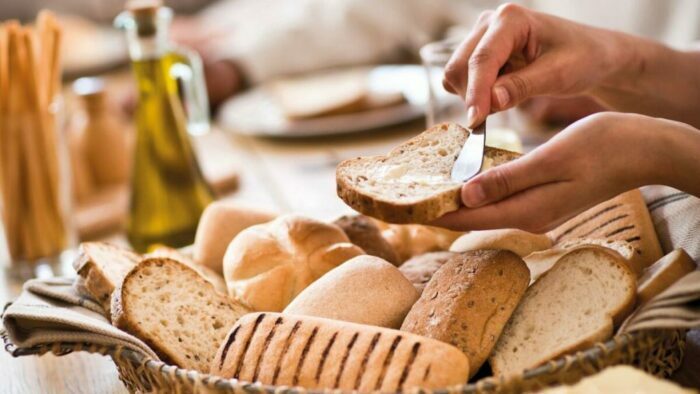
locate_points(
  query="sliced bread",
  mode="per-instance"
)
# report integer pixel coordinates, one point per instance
(517, 241)
(662, 274)
(174, 310)
(412, 183)
(103, 266)
(575, 304)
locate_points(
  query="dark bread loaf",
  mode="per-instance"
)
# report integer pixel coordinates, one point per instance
(317, 353)
(469, 300)
(365, 233)
(420, 269)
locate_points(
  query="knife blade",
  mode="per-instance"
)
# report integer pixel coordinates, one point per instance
(471, 157)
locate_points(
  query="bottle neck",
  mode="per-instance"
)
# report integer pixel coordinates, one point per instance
(146, 34)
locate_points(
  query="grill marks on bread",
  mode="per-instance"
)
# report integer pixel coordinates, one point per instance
(323, 353)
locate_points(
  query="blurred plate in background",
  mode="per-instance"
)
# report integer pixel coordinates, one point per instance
(259, 112)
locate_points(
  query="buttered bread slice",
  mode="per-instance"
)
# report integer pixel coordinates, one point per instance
(412, 183)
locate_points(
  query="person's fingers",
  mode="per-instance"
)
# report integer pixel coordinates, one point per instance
(537, 210)
(509, 33)
(500, 182)
(455, 77)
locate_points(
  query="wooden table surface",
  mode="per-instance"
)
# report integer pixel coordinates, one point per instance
(286, 175)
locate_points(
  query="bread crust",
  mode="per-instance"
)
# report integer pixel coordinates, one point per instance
(469, 300)
(315, 353)
(365, 233)
(393, 211)
(517, 241)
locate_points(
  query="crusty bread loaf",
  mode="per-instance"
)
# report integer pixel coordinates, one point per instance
(540, 262)
(623, 218)
(365, 233)
(267, 265)
(364, 290)
(410, 240)
(412, 183)
(662, 274)
(572, 306)
(175, 311)
(103, 266)
(517, 241)
(469, 300)
(621, 379)
(420, 269)
(207, 273)
(317, 353)
(221, 221)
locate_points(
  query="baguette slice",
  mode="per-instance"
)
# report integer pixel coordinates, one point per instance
(103, 267)
(663, 274)
(174, 310)
(317, 353)
(412, 183)
(572, 306)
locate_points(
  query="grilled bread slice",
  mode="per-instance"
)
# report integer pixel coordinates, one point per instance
(412, 183)
(174, 310)
(316, 353)
(572, 306)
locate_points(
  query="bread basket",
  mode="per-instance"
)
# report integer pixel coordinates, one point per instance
(658, 352)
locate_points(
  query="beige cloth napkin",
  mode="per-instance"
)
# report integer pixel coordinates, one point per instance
(676, 307)
(54, 310)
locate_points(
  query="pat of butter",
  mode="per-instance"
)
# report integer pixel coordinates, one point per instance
(400, 174)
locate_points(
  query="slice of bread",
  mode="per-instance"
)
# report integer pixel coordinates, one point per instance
(662, 274)
(103, 266)
(174, 310)
(540, 262)
(572, 306)
(412, 183)
(623, 218)
(517, 241)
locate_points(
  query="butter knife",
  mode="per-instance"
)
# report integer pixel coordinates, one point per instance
(471, 156)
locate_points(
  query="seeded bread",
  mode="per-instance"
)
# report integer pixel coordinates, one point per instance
(412, 183)
(175, 311)
(420, 269)
(103, 267)
(623, 218)
(662, 274)
(469, 300)
(517, 241)
(317, 353)
(364, 289)
(365, 233)
(572, 306)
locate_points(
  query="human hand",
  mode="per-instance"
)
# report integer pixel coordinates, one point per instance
(515, 53)
(559, 110)
(591, 161)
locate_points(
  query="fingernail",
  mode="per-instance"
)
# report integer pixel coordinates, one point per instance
(473, 195)
(472, 120)
(502, 96)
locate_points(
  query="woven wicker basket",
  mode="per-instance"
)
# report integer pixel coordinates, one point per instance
(657, 352)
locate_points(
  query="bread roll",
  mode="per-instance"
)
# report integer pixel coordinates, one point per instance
(469, 300)
(410, 240)
(316, 353)
(267, 265)
(220, 222)
(365, 233)
(662, 274)
(365, 290)
(517, 241)
(420, 269)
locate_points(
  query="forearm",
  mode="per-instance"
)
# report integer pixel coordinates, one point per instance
(653, 79)
(678, 157)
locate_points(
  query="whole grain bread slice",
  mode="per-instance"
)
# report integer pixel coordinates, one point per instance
(412, 183)
(174, 310)
(572, 306)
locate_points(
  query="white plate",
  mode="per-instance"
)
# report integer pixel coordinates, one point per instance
(255, 112)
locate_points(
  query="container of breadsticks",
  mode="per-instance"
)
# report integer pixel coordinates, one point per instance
(34, 184)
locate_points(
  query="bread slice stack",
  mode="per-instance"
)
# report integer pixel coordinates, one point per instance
(412, 183)
(174, 310)
(575, 304)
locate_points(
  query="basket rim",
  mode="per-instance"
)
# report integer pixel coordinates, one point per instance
(120, 352)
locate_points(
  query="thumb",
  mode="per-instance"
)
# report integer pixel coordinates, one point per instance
(538, 78)
(507, 179)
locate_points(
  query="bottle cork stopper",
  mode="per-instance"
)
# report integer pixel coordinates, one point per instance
(145, 14)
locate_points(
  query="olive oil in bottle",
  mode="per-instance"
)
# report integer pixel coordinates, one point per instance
(168, 191)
